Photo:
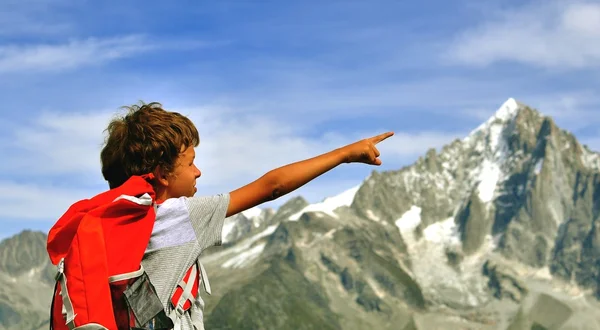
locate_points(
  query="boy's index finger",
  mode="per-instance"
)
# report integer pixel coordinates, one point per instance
(381, 137)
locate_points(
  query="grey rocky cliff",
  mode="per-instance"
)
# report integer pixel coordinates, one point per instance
(290, 207)
(538, 203)
(240, 226)
(504, 282)
(24, 252)
(474, 224)
(26, 281)
(576, 254)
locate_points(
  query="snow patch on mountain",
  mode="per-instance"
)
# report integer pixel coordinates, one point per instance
(538, 166)
(245, 252)
(329, 205)
(455, 285)
(242, 247)
(227, 228)
(489, 176)
(243, 222)
(252, 212)
(444, 232)
(245, 244)
(409, 220)
(372, 216)
(245, 257)
(590, 159)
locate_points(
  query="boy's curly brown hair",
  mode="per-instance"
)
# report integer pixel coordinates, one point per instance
(145, 138)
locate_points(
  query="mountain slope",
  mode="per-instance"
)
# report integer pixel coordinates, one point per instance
(26, 281)
(512, 179)
(517, 191)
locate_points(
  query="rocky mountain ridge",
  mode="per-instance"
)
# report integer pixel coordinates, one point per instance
(26, 281)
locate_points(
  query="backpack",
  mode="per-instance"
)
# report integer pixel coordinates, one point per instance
(98, 246)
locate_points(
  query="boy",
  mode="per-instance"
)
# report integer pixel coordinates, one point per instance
(152, 140)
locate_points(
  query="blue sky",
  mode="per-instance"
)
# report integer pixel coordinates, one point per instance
(271, 82)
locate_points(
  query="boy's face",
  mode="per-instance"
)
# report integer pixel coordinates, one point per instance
(182, 182)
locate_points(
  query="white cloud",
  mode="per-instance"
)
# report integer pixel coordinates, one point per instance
(56, 144)
(73, 54)
(553, 34)
(234, 150)
(240, 148)
(33, 201)
(574, 109)
(403, 145)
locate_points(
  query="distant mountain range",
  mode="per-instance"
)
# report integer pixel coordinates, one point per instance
(26, 281)
(498, 230)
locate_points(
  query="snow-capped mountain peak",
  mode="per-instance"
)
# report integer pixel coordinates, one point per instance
(489, 140)
(492, 128)
(508, 110)
(328, 205)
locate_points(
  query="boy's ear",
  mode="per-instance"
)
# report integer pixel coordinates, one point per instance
(161, 178)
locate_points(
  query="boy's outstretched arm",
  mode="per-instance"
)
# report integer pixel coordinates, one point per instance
(286, 179)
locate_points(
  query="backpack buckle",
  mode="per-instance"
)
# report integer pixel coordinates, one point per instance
(60, 269)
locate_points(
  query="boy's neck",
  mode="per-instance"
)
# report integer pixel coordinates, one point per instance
(161, 194)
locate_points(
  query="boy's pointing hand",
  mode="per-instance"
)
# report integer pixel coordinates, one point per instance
(364, 151)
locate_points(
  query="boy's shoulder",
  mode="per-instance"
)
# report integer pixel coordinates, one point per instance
(207, 203)
(194, 199)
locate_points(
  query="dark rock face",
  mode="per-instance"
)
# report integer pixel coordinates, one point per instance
(474, 224)
(503, 284)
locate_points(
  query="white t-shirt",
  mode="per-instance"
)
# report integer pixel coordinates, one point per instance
(184, 228)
